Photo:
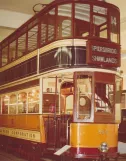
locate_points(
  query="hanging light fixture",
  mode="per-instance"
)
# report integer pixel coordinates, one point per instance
(38, 7)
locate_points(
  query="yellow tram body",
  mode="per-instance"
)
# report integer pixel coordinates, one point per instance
(87, 140)
(29, 127)
(92, 135)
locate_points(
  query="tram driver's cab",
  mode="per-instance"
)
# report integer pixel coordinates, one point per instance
(94, 97)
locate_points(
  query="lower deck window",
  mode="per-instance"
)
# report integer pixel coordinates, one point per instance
(26, 101)
(50, 103)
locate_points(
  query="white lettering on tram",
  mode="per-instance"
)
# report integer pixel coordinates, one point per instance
(104, 49)
(104, 59)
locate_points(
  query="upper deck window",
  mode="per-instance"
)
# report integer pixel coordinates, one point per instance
(12, 51)
(100, 27)
(5, 56)
(21, 46)
(82, 19)
(51, 25)
(44, 29)
(100, 10)
(48, 24)
(32, 38)
(114, 26)
(64, 20)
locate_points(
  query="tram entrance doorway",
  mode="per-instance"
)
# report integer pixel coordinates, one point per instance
(57, 110)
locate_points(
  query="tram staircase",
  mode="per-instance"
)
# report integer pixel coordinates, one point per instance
(57, 131)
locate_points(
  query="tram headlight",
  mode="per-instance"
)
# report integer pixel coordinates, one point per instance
(82, 101)
(104, 147)
(85, 102)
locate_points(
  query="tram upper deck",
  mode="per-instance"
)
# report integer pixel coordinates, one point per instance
(66, 33)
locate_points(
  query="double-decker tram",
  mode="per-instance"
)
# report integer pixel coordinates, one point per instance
(59, 84)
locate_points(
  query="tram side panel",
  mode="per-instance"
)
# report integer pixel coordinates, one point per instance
(23, 130)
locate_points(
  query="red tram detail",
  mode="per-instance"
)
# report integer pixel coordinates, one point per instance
(59, 82)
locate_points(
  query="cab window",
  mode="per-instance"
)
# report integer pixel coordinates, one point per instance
(104, 97)
(83, 96)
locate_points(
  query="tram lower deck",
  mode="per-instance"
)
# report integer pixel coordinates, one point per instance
(77, 110)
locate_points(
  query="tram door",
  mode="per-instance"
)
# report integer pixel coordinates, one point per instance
(50, 118)
(50, 110)
(66, 106)
(57, 111)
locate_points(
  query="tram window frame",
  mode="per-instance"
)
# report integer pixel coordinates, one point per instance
(97, 30)
(43, 29)
(33, 101)
(21, 51)
(21, 101)
(12, 50)
(103, 104)
(87, 96)
(115, 26)
(5, 104)
(32, 41)
(45, 24)
(82, 32)
(5, 55)
(50, 96)
(50, 103)
(101, 30)
(66, 97)
(106, 79)
(13, 104)
(51, 20)
(60, 21)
